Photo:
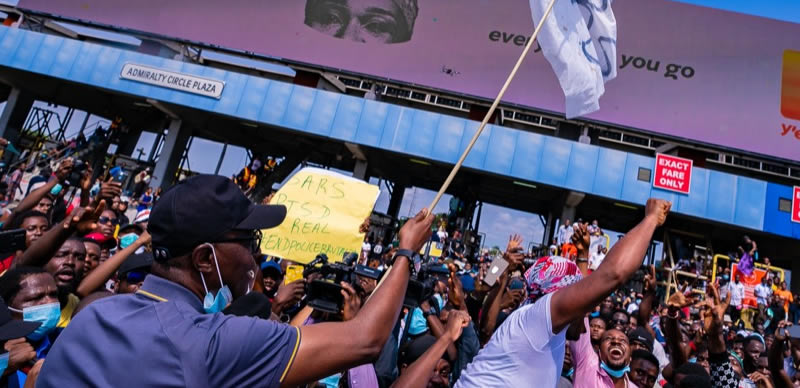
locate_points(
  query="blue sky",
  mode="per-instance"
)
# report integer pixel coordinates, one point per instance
(497, 222)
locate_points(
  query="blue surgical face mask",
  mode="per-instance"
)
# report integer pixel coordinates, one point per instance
(638, 301)
(128, 239)
(439, 300)
(726, 277)
(614, 372)
(214, 304)
(569, 373)
(417, 324)
(47, 314)
(3, 363)
(56, 189)
(693, 360)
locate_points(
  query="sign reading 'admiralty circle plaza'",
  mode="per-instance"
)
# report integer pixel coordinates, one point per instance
(172, 80)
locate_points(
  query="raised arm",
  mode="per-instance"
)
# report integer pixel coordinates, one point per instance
(622, 261)
(491, 308)
(324, 350)
(39, 253)
(36, 196)
(779, 375)
(104, 271)
(437, 329)
(419, 373)
(649, 297)
(679, 354)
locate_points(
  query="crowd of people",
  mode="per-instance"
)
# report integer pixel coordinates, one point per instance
(179, 294)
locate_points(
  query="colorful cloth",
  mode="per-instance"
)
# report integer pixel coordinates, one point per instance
(746, 264)
(550, 274)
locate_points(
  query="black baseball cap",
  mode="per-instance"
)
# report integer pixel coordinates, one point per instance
(642, 336)
(136, 261)
(11, 328)
(201, 209)
(414, 349)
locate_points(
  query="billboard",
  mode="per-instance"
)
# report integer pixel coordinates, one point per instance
(689, 72)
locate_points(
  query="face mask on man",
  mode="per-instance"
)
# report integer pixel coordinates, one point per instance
(417, 324)
(214, 304)
(615, 373)
(127, 240)
(3, 363)
(47, 314)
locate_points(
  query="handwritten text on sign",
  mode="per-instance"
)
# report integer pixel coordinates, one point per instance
(673, 173)
(323, 213)
(796, 204)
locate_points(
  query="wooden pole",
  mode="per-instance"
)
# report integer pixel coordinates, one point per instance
(489, 114)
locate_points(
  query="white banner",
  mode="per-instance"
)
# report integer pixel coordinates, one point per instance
(172, 80)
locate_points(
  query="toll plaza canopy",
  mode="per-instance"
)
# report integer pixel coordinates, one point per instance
(29, 58)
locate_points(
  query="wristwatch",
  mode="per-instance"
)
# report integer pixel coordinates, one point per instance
(408, 254)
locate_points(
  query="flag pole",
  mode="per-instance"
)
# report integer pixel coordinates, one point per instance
(488, 116)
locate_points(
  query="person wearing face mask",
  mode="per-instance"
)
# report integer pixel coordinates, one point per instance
(15, 350)
(32, 296)
(172, 328)
(128, 234)
(609, 368)
(559, 297)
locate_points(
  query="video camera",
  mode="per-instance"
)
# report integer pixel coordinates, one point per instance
(420, 287)
(325, 294)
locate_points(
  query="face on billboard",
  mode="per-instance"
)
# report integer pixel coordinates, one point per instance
(363, 21)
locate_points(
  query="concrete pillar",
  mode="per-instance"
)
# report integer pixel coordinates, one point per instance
(171, 153)
(14, 114)
(549, 230)
(221, 158)
(360, 170)
(396, 200)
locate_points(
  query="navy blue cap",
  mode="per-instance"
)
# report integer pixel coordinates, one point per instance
(201, 209)
(271, 265)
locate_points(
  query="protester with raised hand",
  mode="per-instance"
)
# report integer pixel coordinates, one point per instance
(100, 275)
(83, 220)
(204, 259)
(776, 362)
(722, 373)
(431, 369)
(32, 200)
(534, 334)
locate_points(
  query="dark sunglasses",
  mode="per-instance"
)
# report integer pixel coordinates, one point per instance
(135, 277)
(106, 220)
(253, 242)
(619, 322)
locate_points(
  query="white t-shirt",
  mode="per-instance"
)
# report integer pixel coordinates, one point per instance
(564, 234)
(523, 352)
(595, 260)
(632, 307)
(737, 294)
(763, 293)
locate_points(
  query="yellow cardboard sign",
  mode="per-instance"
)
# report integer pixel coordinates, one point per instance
(324, 211)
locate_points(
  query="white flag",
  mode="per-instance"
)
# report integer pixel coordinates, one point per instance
(579, 39)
